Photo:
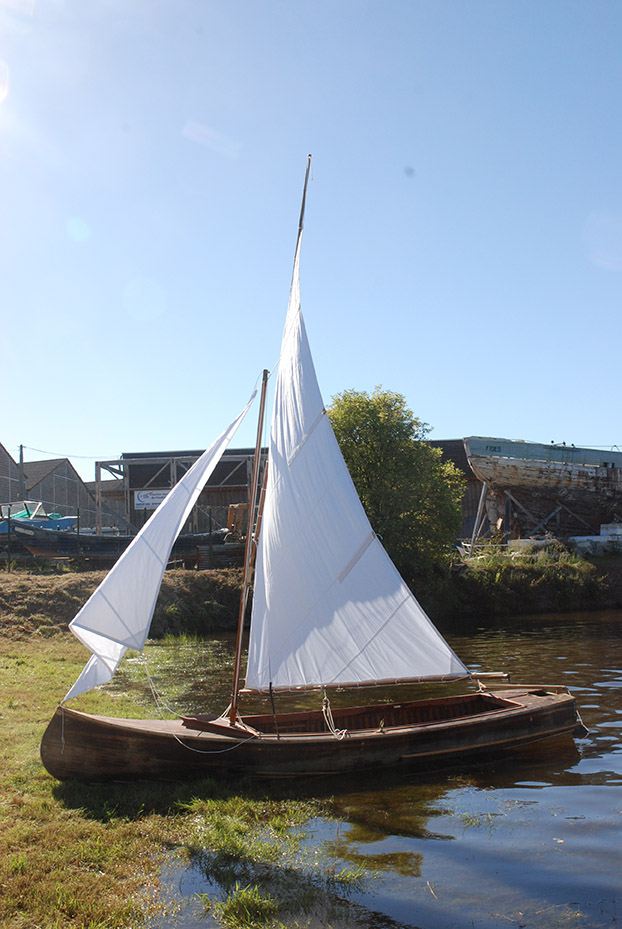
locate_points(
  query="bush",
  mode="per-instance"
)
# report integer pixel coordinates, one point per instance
(501, 584)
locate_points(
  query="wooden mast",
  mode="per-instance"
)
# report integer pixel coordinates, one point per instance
(304, 199)
(248, 548)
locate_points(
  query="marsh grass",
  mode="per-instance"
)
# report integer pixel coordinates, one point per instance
(260, 856)
(246, 908)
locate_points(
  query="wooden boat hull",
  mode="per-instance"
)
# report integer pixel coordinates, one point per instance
(573, 490)
(96, 748)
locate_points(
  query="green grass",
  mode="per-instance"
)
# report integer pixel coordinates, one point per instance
(60, 865)
(501, 583)
(77, 855)
(247, 908)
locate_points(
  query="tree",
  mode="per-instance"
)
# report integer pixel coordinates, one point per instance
(411, 497)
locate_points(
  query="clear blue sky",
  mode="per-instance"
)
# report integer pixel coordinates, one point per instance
(463, 235)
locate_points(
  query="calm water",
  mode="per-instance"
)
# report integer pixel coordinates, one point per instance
(534, 840)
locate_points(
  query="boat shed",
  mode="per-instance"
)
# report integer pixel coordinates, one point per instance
(140, 481)
(453, 450)
(53, 482)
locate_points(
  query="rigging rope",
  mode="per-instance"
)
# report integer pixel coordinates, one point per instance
(328, 719)
(160, 703)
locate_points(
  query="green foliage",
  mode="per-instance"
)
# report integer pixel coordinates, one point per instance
(411, 497)
(502, 583)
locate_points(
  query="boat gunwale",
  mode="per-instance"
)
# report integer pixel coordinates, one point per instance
(178, 728)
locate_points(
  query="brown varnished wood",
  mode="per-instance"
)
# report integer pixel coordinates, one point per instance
(95, 748)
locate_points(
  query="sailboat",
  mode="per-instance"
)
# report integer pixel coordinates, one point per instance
(330, 611)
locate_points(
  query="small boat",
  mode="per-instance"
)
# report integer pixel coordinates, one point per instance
(330, 612)
(31, 513)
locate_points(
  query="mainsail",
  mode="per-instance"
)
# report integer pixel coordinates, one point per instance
(118, 614)
(329, 606)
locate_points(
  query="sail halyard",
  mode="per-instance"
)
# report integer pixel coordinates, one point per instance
(117, 616)
(329, 609)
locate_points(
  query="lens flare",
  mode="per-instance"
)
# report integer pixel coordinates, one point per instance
(78, 229)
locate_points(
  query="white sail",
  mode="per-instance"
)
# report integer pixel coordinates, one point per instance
(118, 614)
(329, 607)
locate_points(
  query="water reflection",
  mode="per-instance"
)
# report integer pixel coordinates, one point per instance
(531, 839)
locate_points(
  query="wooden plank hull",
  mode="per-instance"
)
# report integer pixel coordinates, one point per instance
(580, 488)
(95, 748)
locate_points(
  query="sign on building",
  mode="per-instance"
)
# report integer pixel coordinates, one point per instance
(148, 499)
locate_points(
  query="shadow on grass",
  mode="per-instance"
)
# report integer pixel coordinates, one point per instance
(137, 799)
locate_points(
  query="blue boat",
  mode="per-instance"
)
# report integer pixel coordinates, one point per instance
(32, 513)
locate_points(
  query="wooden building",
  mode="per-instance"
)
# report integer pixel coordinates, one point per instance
(111, 509)
(140, 480)
(137, 475)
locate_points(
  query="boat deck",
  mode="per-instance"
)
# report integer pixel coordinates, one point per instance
(361, 718)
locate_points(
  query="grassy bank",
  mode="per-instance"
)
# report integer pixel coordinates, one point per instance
(204, 602)
(196, 602)
(499, 584)
(83, 856)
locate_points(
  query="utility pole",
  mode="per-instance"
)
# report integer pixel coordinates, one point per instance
(22, 482)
